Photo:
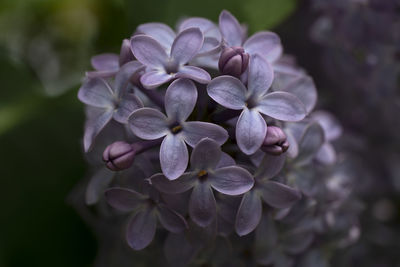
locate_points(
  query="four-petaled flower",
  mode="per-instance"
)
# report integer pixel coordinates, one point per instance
(163, 66)
(151, 124)
(251, 127)
(110, 101)
(205, 175)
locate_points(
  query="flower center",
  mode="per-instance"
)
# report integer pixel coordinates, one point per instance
(176, 129)
(202, 174)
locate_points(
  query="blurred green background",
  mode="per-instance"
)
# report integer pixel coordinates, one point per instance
(45, 48)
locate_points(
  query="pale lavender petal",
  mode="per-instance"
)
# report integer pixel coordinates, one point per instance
(174, 156)
(123, 76)
(278, 195)
(250, 131)
(329, 123)
(304, 89)
(326, 154)
(153, 79)
(94, 126)
(282, 106)
(260, 76)
(124, 199)
(97, 93)
(226, 161)
(266, 44)
(100, 74)
(180, 99)
(228, 91)
(186, 45)
(148, 51)
(231, 180)
(141, 229)
(159, 31)
(171, 220)
(148, 123)
(230, 29)
(126, 106)
(97, 185)
(205, 155)
(106, 62)
(249, 214)
(310, 143)
(177, 186)
(202, 205)
(270, 166)
(194, 131)
(196, 74)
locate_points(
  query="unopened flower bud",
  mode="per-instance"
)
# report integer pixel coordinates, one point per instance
(125, 54)
(233, 61)
(119, 156)
(275, 142)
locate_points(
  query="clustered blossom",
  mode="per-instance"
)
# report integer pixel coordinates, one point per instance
(235, 106)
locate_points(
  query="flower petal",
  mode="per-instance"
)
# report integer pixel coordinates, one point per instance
(153, 79)
(171, 220)
(126, 106)
(260, 76)
(180, 99)
(250, 131)
(304, 89)
(141, 229)
(159, 31)
(97, 185)
(326, 154)
(270, 166)
(94, 126)
(282, 106)
(205, 155)
(310, 143)
(226, 161)
(97, 93)
(266, 44)
(278, 195)
(174, 156)
(249, 214)
(148, 123)
(148, 51)
(196, 74)
(186, 45)
(230, 29)
(329, 124)
(106, 62)
(124, 199)
(177, 186)
(202, 205)
(231, 180)
(227, 91)
(194, 131)
(123, 76)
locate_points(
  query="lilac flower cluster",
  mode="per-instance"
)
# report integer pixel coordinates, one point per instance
(207, 133)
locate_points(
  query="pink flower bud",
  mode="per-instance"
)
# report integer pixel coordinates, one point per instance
(119, 156)
(275, 142)
(233, 61)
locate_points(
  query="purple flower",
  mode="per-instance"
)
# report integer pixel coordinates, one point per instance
(205, 175)
(251, 127)
(150, 124)
(266, 44)
(107, 65)
(275, 194)
(163, 66)
(146, 211)
(110, 101)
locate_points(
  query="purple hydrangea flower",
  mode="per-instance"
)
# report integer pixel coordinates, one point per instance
(107, 65)
(266, 44)
(146, 211)
(204, 176)
(110, 101)
(251, 127)
(150, 124)
(163, 66)
(273, 193)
